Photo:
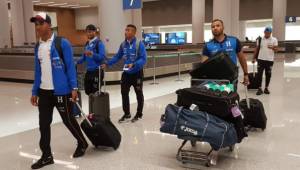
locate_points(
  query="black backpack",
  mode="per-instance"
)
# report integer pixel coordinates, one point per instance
(258, 49)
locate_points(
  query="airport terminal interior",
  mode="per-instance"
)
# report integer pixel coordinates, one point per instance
(174, 33)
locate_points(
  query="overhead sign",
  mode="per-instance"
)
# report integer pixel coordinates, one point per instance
(290, 19)
(132, 4)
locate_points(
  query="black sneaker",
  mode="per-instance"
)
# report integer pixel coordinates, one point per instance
(136, 118)
(259, 91)
(125, 118)
(80, 150)
(43, 161)
(266, 91)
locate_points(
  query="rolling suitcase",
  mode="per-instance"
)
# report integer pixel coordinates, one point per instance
(220, 66)
(254, 112)
(253, 79)
(99, 104)
(100, 132)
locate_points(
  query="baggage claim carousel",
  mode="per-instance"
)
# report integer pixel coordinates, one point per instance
(17, 64)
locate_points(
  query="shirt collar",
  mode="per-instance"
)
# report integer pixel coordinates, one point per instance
(92, 40)
(49, 40)
(130, 42)
(225, 38)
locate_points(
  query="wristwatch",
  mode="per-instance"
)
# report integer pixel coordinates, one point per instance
(245, 74)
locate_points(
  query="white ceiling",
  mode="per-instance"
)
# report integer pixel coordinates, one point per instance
(70, 3)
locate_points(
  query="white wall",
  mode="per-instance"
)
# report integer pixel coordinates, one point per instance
(86, 16)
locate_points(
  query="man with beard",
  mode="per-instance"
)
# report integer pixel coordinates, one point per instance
(228, 44)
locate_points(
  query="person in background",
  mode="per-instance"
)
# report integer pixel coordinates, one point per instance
(134, 54)
(94, 56)
(265, 59)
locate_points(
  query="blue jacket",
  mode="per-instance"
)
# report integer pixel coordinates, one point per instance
(63, 72)
(93, 62)
(131, 56)
(230, 45)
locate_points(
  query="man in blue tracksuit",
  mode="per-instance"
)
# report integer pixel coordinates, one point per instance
(134, 54)
(94, 55)
(54, 85)
(228, 44)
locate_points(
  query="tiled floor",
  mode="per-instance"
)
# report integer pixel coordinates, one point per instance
(143, 147)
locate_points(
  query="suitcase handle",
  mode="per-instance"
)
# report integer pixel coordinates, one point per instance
(83, 114)
(247, 99)
(104, 82)
(253, 70)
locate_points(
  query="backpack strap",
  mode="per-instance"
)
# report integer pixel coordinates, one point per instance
(97, 46)
(137, 47)
(259, 41)
(57, 43)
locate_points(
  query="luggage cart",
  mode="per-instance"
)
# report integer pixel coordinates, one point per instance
(196, 157)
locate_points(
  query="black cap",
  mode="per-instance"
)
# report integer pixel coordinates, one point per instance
(41, 16)
(91, 27)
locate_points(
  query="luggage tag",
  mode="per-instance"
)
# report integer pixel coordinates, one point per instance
(236, 111)
(193, 107)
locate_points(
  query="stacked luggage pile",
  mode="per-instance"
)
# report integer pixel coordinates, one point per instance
(208, 111)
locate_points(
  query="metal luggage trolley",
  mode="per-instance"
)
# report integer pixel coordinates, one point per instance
(196, 157)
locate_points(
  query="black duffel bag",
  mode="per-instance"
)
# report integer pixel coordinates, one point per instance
(207, 101)
(220, 66)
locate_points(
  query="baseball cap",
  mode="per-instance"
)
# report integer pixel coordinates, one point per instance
(91, 27)
(41, 16)
(268, 29)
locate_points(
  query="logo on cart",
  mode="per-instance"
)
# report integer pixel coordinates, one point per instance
(189, 130)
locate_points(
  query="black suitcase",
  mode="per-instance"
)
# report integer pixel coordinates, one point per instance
(253, 80)
(208, 101)
(220, 66)
(100, 132)
(255, 115)
(99, 104)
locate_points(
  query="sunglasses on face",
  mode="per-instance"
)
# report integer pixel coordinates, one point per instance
(39, 23)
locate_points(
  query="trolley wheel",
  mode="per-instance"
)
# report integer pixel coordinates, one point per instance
(193, 143)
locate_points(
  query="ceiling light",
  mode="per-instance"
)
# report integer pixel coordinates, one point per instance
(35, 1)
(62, 4)
(86, 6)
(44, 3)
(69, 6)
(72, 5)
